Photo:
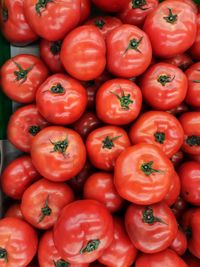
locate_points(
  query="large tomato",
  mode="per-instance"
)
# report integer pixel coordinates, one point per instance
(179, 244)
(20, 77)
(183, 61)
(143, 174)
(58, 153)
(129, 51)
(195, 49)
(174, 190)
(88, 226)
(171, 28)
(14, 211)
(111, 5)
(83, 53)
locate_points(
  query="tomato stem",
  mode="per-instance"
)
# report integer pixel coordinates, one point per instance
(139, 4)
(57, 89)
(196, 81)
(4, 254)
(46, 210)
(55, 47)
(134, 44)
(159, 137)
(125, 100)
(147, 168)
(99, 23)
(193, 140)
(148, 217)
(171, 18)
(91, 246)
(42, 4)
(108, 142)
(22, 74)
(34, 129)
(163, 79)
(60, 146)
(61, 263)
(4, 13)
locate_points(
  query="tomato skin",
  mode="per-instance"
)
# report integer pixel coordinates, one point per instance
(160, 233)
(82, 222)
(109, 107)
(104, 146)
(14, 211)
(25, 123)
(177, 158)
(179, 110)
(179, 207)
(121, 252)
(64, 14)
(171, 38)
(182, 61)
(85, 10)
(174, 190)
(122, 60)
(64, 165)
(164, 86)
(151, 125)
(111, 5)
(192, 4)
(179, 244)
(23, 90)
(76, 55)
(65, 98)
(195, 49)
(20, 241)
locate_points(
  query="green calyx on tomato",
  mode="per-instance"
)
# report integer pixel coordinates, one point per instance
(125, 100)
(92, 245)
(148, 217)
(108, 142)
(45, 211)
(163, 79)
(57, 89)
(134, 44)
(147, 168)
(34, 129)
(4, 13)
(193, 140)
(139, 4)
(60, 146)
(159, 137)
(42, 4)
(99, 23)
(171, 18)
(196, 81)
(21, 74)
(55, 47)
(61, 263)
(3, 254)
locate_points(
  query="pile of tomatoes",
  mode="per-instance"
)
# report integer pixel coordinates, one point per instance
(109, 128)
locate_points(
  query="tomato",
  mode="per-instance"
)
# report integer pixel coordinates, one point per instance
(191, 125)
(158, 128)
(18, 243)
(118, 101)
(136, 11)
(155, 221)
(177, 158)
(50, 54)
(174, 190)
(143, 174)
(18, 176)
(183, 61)
(179, 207)
(61, 147)
(191, 3)
(43, 201)
(83, 53)
(179, 244)
(179, 110)
(195, 49)
(104, 146)
(129, 51)
(111, 5)
(191, 260)
(89, 229)
(193, 93)
(14, 211)
(52, 20)
(13, 23)
(85, 10)
(65, 98)
(20, 77)
(105, 24)
(166, 258)
(164, 86)
(121, 252)
(25, 123)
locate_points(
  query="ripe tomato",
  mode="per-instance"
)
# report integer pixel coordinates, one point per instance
(18, 243)
(191, 260)
(52, 19)
(18, 176)
(164, 86)
(179, 244)
(179, 207)
(177, 158)
(83, 53)
(183, 61)
(174, 190)
(85, 10)
(61, 147)
(20, 77)
(25, 123)
(89, 229)
(195, 49)
(50, 54)
(158, 128)
(129, 51)
(65, 98)
(193, 93)
(111, 5)
(171, 28)
(13, 23)
(99, 186)
(121, 252)
(14, 211)
(155, 221)
(43, 201)
(190, 122)
(105, 144)
(143, 174)
(118, 101)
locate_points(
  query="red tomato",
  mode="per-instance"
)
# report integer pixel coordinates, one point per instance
(164, 86)
(14, 211)
(179, 244)
(83, 53)
(13, 23)
(135, 11)
(18, 243)
(177, 158)
(179, 207)
(191, 126)
(104, 146)
(151, 229)
(111, 5)
(52, 20)
(25, 123)
(174, 190)
(129, 51)
(191, 260)
(143, 174)
(43, 201)
(171, 28)
(158, 128)
(85, 10)
(191, 3)
(167, 258)
(61, 147)
(105, 24)
(182, 61)
(195, 49)
(18, 176)
(50, 54)
(118, 101)
(99, 186)
(121, 252)
(65, 98)
(178, 110)
(89, 229)
(20, 77)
